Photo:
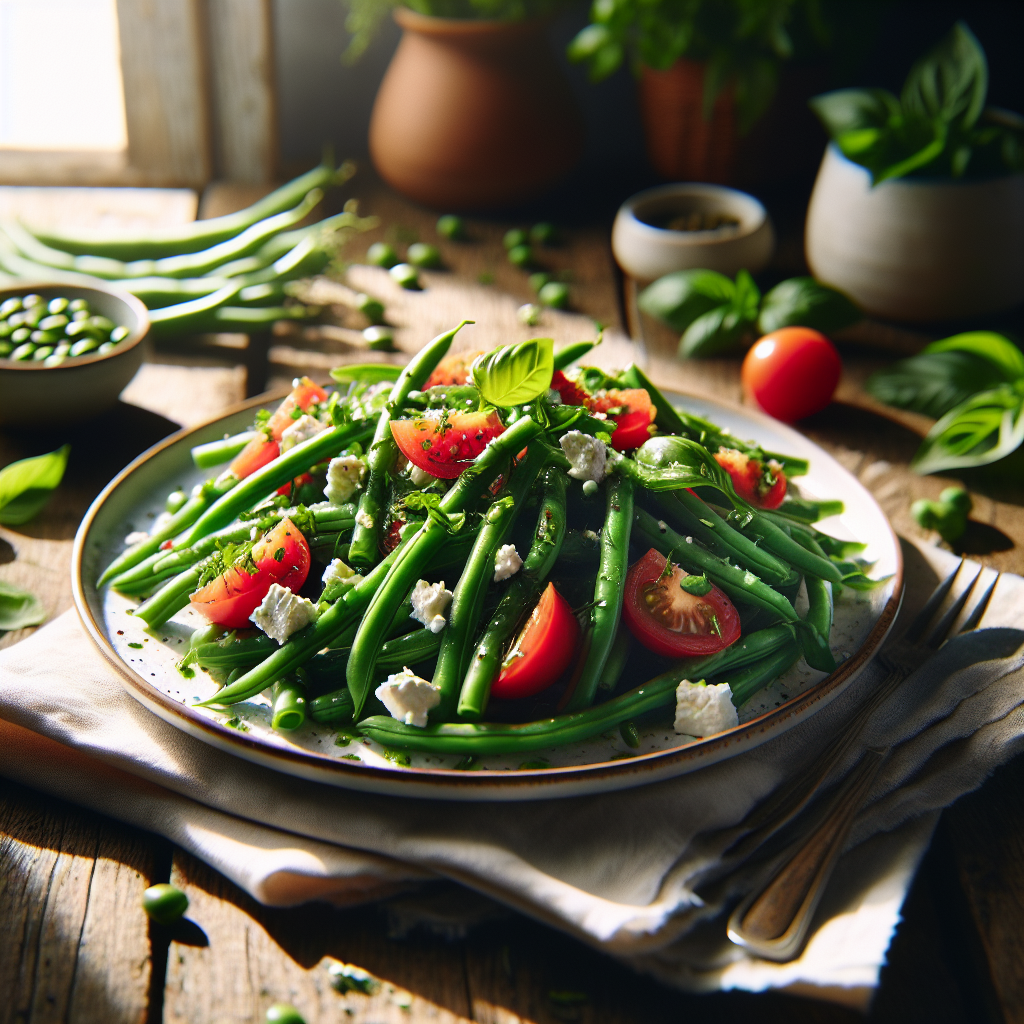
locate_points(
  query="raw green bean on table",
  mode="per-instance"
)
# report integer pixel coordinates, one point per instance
(608, 590)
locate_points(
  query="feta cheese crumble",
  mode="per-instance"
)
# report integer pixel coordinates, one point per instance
(703, 710)
(364, 519)
(587, 454)
(339, 572)
(301, 430)
(281, 613)
(344, 478)
(429, 603)
(420, 477)
(506, 562)
(136, 537)
(408, 697)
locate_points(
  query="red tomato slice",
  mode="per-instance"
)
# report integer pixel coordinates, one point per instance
(302, 480)
(446, 453)
(668, 620)
(303, 395)
(542, 651)
(754, 482)
(570, 392)
(453, 369)
(255, 455)
(633, 415)
(282, 557)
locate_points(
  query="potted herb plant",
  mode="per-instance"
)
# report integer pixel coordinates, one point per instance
(918, 209)
(473, 111)
(707, 71)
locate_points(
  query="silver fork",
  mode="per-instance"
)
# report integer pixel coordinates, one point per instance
(773, 920)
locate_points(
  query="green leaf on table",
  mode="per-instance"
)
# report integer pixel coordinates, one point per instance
(950, 82)
(677, 299)
(19, 608)
(514, 374)
(999, 351)
(26, 486)
(804, 302)
(723, 328)
(983, 429)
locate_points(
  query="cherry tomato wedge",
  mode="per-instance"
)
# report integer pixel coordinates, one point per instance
(633, 413)
(792, 373)
(282, 557)
(453, 369)
(444, 447)
(569, 391)
(759, 483)
(668, 620)
(255, 455)
(301, 481)
(542, 651)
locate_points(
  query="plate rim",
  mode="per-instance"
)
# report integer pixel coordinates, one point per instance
(485, 784)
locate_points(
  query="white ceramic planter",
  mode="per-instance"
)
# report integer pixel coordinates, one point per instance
(646, 252)
(917, 249)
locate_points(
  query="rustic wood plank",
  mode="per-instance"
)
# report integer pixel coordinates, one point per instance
(75, 943)
(242, 89)
(163, 63)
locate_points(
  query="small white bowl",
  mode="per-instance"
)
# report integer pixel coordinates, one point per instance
(646, 251)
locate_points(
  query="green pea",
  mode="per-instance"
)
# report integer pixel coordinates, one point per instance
(380, 338)
(56, 359)
(77, 327)
(32, 300)
(41, 353)
(405, 275)
(520, 256)
(58, 305)
(451, 226)
(9, 306)
(5, 329)
(543, 234)
(538, 280)
(46, 337)
(101, 323)
(23, 352)
(20, 335)
(34, 315)
(164, 903)
(957, 498)
(79, 305)
(380, 254)
(83, 347)
(422, 255)
(284, 1013)
(515, 238)
(17, 319)
(81, 314)
(554, 294)
(371, 308)
(107, 346)
(6, 348)
(62, 349)
(118, 334)
(175, 500)
(54, 322)
(529, 314)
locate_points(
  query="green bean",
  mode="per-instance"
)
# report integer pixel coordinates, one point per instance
(571, 353)
(169, 599)
(271, 476)
(332, 708)
(242, 320)
(289, 704)
(191, 315)
(235, 653)
(617, 658)
(804, 511)
(134, 584)
(215, 453)
(818, 624)
(608, 590)
(784, 546)
(187, 238)
(739, 584)
(746, 682)
(500, 738)
(383, 452)
(522, 593)
(688, 512)
(467, 602)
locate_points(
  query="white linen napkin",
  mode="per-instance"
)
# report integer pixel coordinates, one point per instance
(618, 870)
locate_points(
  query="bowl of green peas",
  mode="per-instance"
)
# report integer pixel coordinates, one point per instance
(66, 351)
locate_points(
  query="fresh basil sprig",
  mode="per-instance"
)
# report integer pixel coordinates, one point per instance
(19, 608)
(715, 314)
(514, 374)
(26, 486)
(973, 384)
(938, 126)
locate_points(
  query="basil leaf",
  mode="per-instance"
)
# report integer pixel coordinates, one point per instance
(26, 486)
(985, 428)
(368, 373)
(514, 374)
(19, 608)
(850, 110)
(723, 328)
(934, 382)
(997, 350)
(803, 302)
(677, 299)
(951, 81)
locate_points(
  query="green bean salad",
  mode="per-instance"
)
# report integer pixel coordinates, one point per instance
(469, 562)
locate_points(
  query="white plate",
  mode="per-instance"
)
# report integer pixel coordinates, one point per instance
(136, 496)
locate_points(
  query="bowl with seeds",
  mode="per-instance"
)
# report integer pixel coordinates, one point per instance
(66, 351)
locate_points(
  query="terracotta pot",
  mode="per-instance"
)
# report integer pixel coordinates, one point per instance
(785, 142)
(473, 114)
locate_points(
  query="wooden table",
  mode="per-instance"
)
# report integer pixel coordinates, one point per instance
(73, 944)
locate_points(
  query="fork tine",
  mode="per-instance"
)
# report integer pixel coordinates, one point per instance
(924, 616)
(979, 609)
(944, 626)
